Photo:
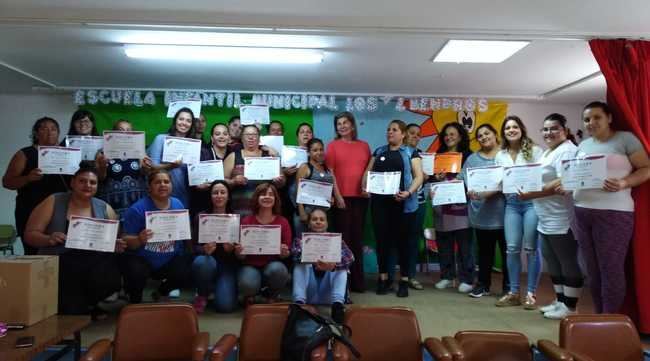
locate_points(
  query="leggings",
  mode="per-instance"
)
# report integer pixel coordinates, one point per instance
(85, 278)
(560, 252)
(350, 222)
(604, 238)
(487, 239)
(391, 226)
(176, 273)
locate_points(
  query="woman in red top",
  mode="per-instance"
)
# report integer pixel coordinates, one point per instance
(265, 272)
(347, 157)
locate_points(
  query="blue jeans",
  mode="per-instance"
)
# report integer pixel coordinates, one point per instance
(307, 288)
(218, 277)
(274, 276)
(521, 231)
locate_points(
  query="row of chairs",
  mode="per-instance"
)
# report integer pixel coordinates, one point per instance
(153, 332)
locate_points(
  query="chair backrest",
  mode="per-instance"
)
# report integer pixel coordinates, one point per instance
(150, 332)
(494, 346)
(601, 337)
(385, 333)
(260, 338)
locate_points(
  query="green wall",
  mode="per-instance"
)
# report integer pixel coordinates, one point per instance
(153, 119)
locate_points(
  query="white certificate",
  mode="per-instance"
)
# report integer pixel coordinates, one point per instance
(485, 179)
(124, 145)
(254, 114)
(260, 239)
(89, 145)
(167, 226)
(324, 247)
(293, 156)
(314, 193)
(219, 228)
(92, 234)
(522, 178)
(194, 105)
(584, 173)
(452, 192)
(383, 182)
(261, 168)
(428, 160)
(205, 172)
(58, 160)
(273, 141)
(187, 150)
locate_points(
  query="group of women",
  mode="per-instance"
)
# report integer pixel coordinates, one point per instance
(125, 189)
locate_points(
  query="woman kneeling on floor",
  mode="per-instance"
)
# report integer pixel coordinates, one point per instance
(321, 282)
(85, 277)
(264, 273)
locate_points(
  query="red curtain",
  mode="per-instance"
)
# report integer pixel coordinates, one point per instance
(626, 67)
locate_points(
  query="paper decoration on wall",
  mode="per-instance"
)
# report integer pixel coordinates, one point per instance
(370, 103)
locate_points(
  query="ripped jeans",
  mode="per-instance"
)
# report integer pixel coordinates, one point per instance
(520, 227)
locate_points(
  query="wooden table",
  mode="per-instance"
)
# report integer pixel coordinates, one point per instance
(51, 331)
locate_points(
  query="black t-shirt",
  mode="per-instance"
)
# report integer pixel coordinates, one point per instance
(391, 161)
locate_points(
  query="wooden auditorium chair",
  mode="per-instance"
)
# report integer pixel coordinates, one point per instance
(387, 334)
(260, 336)
(153, 332)
(488, 346)
(604, 337)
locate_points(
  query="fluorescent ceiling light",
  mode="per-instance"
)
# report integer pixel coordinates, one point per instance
(265, 40)
(478, 51)
(224, 53)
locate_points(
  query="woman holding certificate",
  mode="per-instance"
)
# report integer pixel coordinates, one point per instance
(86, 276)
(215, 149)
(24, 176)
(486, 211)
(122, 180)
(520, 220)
(234, 170)
(452, 224)
(347, 157)
(605, 216)
(393, 214)
(156, 249)
(264, 242)
(322, 282)
(214, 267)
(555, 213)
(315, 170)
(183, 127)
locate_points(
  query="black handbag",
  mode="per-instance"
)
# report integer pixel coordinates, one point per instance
(305, 331)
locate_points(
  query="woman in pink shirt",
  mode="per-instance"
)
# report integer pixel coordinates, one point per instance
(347, 157)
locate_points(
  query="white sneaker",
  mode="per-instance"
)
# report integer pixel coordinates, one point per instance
(560, 312)
(175, 293)
(465, 287)
(551, 307)
(443, 283)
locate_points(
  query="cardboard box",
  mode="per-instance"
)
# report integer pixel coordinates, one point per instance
(29, 288)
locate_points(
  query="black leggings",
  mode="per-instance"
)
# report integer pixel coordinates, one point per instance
(561, 254)
(391, 226)
(85, 278)
(176, 273)
(487, 239)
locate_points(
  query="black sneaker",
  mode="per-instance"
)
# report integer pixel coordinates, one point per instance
(479, 291)
(382, 287)
(403, 289)
(338, 312)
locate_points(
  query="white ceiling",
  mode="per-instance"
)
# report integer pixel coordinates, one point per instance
(369, 47)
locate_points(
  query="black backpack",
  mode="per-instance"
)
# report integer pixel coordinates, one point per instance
(304, 331)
